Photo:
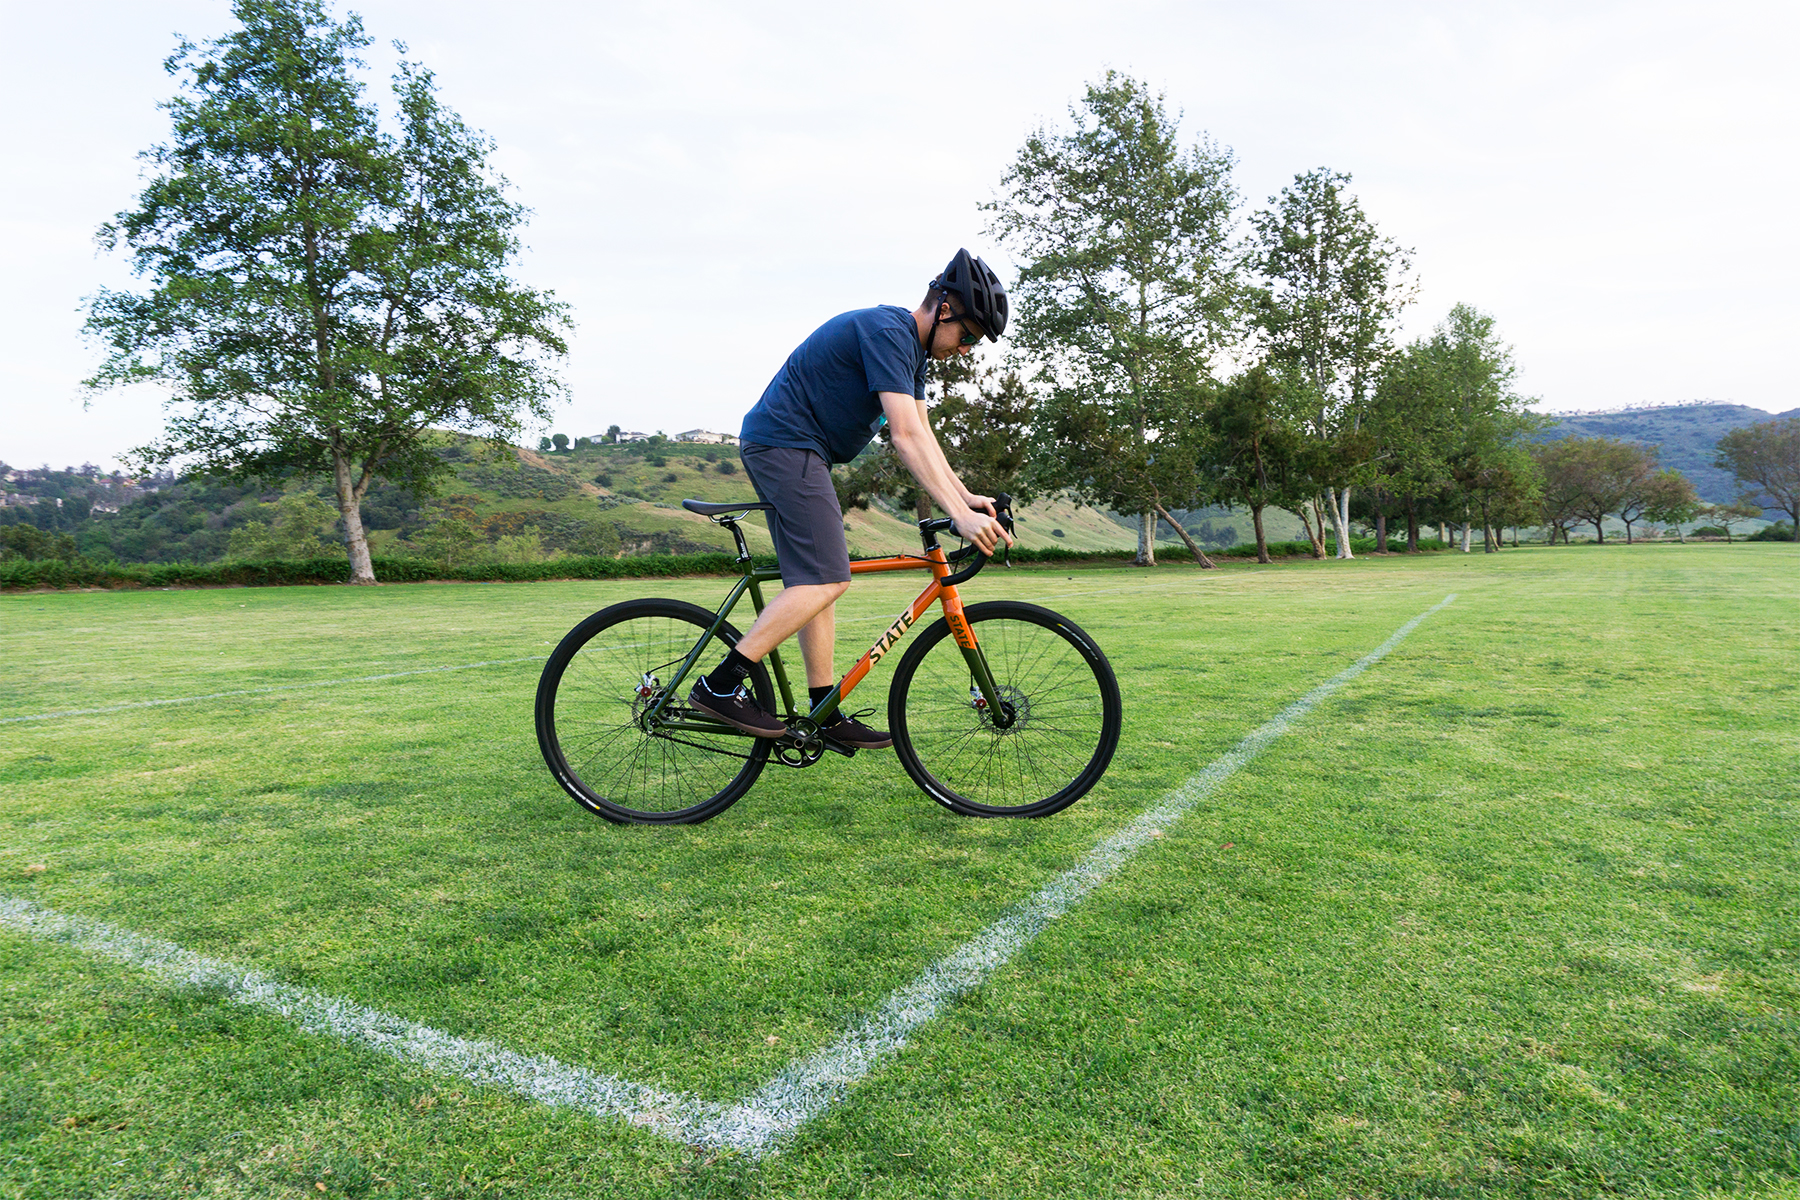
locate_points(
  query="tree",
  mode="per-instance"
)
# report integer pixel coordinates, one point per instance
(1449, 430)
(1767, 457)
(1332, 290)
(612, 435)
(545, 445)
(1597, 477)
(561, 442)
(1669, 499)
(1127, 291)
(1727, 515)
(322, 292)
(294, 529)
(1561, 492)
(1254, 453)
(448, 538)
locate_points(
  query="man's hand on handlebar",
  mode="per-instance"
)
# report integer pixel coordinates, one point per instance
(981, 504)
(983, 530)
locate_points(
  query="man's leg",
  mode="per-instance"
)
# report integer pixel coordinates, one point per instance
(796, 610)
(797, 607)
(818, 640)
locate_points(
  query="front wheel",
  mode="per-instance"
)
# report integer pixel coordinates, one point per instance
(591, 725)
(1052, 742)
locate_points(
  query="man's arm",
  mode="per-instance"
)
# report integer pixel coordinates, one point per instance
(918, 448)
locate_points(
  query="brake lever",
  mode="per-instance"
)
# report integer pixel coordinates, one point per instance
(1003, 514)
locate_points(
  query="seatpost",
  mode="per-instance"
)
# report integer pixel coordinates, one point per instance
(743, 547)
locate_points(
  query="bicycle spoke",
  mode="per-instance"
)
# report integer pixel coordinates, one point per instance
(1062, 704)
(604, 686)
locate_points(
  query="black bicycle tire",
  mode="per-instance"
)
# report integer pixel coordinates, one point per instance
(1106, 688)
(585, 793)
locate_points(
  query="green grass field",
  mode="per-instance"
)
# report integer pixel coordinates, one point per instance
(1514, 913)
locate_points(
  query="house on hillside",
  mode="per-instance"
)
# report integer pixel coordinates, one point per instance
(707, 436)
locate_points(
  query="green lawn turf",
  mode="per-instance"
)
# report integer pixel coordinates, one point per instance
(1514, 913)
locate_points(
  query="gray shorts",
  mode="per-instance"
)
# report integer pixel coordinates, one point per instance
(807, 524)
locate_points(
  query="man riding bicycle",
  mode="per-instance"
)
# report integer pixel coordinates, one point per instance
(855, 372)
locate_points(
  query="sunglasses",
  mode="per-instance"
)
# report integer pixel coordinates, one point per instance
(967, 339)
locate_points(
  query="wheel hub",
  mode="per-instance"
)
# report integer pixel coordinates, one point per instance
(1015, 708)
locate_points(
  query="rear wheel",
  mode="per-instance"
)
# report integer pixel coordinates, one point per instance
(1054, 737)
(591, 701)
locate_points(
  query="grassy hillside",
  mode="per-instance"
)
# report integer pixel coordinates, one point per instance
(603, 499)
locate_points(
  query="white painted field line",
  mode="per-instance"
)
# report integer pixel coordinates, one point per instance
(543, 1079)
(259, 691)
(802, 1090)
(812, 1084)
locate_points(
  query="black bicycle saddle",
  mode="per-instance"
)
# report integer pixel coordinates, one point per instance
(706, 509)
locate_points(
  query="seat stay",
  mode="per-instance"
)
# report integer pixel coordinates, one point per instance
(672, 688)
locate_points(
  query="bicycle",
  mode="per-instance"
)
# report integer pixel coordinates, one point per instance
(1000, 708)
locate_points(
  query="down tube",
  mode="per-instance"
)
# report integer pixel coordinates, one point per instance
(886, 642)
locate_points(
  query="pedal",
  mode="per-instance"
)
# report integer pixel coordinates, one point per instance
(846, 751)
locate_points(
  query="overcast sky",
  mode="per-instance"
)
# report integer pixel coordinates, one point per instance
(1614, 182)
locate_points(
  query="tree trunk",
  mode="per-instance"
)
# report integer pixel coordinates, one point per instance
(1262, 543)
(1380, 524)
(1600, 534)
(1193, 547)
(1465, 534)
(1412, 526)
(1339, 503)
(1146, 555)
(922, 505)
(1444, 534)
(1314, 535)
(1627, 531)
(362, 570)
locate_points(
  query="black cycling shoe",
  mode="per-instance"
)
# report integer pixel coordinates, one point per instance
(852, 734)
(737, 710)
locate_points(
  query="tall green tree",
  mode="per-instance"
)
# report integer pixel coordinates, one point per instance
(1331, 293)
(322, 292)
(1596, 477)
(1450, 431)
(1254, 452)
(1671, 499)
(1128, 291)
(1766, 456)
(1560, 495)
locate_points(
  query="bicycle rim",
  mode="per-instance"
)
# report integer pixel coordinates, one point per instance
(596, 684)
(1065, 718)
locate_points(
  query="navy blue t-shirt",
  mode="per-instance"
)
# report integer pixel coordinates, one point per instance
(825, 399)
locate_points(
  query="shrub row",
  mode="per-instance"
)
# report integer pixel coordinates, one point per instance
(16, 574)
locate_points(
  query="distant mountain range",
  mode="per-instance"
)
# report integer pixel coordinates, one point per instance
(1685, 436)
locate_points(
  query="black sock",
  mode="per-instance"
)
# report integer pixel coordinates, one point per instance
(728, 675)
(816, 694)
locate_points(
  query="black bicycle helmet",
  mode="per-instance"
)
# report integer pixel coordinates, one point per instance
(982, 294)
